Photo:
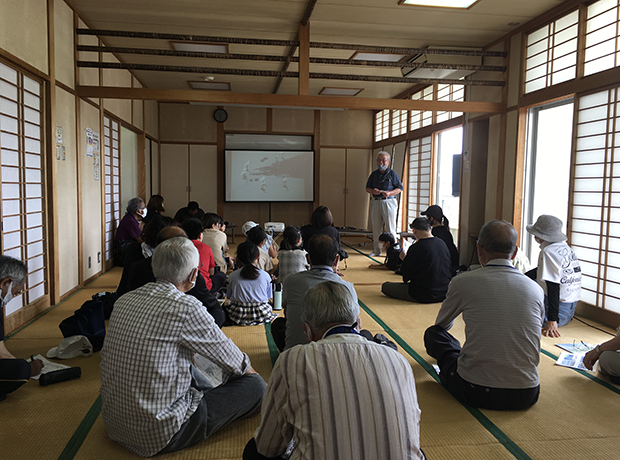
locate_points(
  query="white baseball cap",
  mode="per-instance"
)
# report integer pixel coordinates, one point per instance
(72, 347)
(245, 228)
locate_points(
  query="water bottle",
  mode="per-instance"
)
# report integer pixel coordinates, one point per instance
(277, 296)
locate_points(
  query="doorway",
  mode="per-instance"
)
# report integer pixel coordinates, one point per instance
(547, 168)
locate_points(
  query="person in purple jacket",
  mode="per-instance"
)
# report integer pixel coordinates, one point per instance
(129, 230)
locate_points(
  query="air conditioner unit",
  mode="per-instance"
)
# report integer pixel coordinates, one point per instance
(447, 59)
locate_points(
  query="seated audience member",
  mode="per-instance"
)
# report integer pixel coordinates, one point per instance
(322, 222)
(155, 207)
(329, 398)
(323, 254)
(503, 311)
(214, 237)
(426, 269)
(141, 273)
(608, 356)
(258, 236)
(14, 372)
(214, 280)
(139, 251)
(268, 246)
(191, 210)
(153, 398)
(249, 289)
(441, 230)
(558, 273)
(291, 257)
(129, 230)
(392, 250)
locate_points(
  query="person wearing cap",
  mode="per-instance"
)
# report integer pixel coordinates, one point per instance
(441, 230)
(383, 185)
(14, 372)
(558, 273)
(191, 210)
(340, 396)
(426, 268)
(153, 398)
(503, 310)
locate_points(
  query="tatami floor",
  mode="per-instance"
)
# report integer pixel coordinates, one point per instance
(576, 417)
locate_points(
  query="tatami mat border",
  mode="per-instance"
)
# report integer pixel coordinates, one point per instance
(273, 349)
(508, 443)
(584, 373)
(81, 432)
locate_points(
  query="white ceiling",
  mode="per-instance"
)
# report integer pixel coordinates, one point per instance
(367, 22)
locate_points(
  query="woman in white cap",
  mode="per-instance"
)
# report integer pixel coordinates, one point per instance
(558, 273)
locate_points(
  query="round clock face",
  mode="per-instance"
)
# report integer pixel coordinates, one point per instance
(220, 115)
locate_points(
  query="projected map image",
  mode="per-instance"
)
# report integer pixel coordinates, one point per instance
(269, 176)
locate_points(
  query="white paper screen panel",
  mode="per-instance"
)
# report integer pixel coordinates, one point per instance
(595, 222)
(21, 174)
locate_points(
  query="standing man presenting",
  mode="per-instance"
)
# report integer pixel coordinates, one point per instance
(383, 185)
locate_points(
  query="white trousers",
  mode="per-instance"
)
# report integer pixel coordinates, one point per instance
(383, 215)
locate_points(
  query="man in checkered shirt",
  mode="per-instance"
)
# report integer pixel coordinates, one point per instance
(154, 399)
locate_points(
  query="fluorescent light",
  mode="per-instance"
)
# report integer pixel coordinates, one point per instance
(441, 3)
(378, 57)
(211, 85)
(200, 47)
(340, 91)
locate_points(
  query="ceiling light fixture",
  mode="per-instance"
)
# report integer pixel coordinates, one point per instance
(208, 78)
(465, 4)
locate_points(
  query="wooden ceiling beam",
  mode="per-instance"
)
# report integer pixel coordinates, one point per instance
(281, 100)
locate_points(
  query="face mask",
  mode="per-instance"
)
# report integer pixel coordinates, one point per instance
(143, 212)
(9, 294)
(383, 167)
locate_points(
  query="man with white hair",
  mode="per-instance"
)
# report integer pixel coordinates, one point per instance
(340, 396)
(153, 398)
(383, 185)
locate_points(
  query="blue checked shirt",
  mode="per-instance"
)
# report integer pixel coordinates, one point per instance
(152, 337)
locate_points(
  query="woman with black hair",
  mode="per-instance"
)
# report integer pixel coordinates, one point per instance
(155, 207)
(258, 236)
(441, 230)
(291, 257)
(322, 222)
(249, 289)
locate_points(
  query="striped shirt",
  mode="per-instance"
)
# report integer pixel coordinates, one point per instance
(342, 397)
(152, 337)
(503, 312)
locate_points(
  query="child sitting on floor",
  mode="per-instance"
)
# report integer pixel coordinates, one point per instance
(214, 280)
(249, 289)
(291, 257)
(392, 249)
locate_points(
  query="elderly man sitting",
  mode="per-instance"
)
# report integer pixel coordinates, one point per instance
(153, 398)
(340, 396)
(503, 311)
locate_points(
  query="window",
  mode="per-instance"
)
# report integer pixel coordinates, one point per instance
(601, 37)
(595, 210)
(551, 53)
(399, 122)
(548, 148)
(419, 195)
(22, 177)
(112, 187)
(421, 118)
(449, 93)
(382, 125)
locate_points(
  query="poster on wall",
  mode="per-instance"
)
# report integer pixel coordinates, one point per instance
(96, 172)
(59, 134)
(95, 141)
(89, 142)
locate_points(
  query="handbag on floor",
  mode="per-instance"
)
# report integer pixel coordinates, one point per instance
(88, 321)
